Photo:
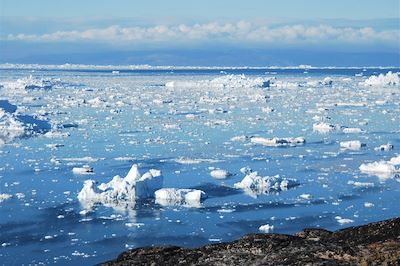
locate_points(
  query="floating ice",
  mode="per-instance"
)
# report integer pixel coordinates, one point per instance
(382, 169)
(185, 197)
(323, 127)
(227, 81)
(254, 185)
(390, 79)
(352, 130)
(343, 220)
(220, 174)
(384, 147)
(84, 170)
(266, 228)
(15, 125)
(275, 142)
(133, 186)
(352, 145)
(4, 197)
(30, 83)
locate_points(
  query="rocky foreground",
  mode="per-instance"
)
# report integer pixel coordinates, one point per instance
(371, 244)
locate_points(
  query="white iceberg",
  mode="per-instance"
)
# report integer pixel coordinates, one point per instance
(220, 174)
(266, 228)
(390, 79)
(128, 189)
(354, 145)
(254, 185)
(275, 142)
(31, 82)
(185, 197)
(382, 169)
(323, 127)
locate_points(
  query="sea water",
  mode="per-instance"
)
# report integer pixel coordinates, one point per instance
(96, 122)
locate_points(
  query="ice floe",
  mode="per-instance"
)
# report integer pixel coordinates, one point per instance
(390, 79)
(352, 145)
(382, 169)
(31, 83)
(220, 173)
(384, 147)
(266, 228)
(323, 127)
(4, 196)
(14, 124)
(185, 197)
(276, 142)
(254, 185)
(128, 189)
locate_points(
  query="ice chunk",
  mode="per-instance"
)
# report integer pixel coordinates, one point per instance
(390, 79)
(254, 185)
(352, 130)
(31, 83)
(277, 141)
(220, 174)
(323, 127)
(343, 220)
(84, 170)
(352, 145)
(4, 197)
(266, 228)
(381, 169)
(384, 147)
(186, 197)
(133, 186)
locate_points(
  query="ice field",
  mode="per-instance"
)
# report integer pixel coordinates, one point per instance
(98, 159)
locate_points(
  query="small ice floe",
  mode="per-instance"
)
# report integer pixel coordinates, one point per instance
(56, 134)
(341, 220)
(382, 169)
(352, 130)
(323, 127)
(84, 170)
(277, 142)
(327, 81)
(384, 147)
(354, 145)
(241, 138)
(4, 197)
(266, 228)
(305, 196)
(220, 174)
(390, 79)
(226, 81)
(368, 204)
(254, 185)
(361, 184)
(183, 160)
(133, 186)
(184, 197)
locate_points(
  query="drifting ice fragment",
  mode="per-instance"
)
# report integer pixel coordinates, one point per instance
(186, 197)
(390, 79)
(323, 127)
(352, 145)
(275, 142)
(266, 228)
(220, 174)
(133, 186)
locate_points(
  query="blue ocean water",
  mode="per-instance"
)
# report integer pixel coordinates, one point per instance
(110, 121)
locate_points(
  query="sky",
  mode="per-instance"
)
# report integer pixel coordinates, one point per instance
(184, 32)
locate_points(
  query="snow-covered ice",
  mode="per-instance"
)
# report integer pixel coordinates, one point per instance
(185, 197)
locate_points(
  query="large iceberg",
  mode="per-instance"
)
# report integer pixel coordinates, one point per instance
(390, 79)
(185, 197)
(128, 189)
(226, 81)
(254, 185)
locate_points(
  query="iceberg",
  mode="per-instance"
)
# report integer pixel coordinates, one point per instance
(128, 189)
(254, 185)
(354, 145)
(382, 169)
(220, 174)
(323, 127)
(184, 197)
(390, 79)
(32, 83)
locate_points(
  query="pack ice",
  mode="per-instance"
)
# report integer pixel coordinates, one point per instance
(128, 189)
(226, 81)
(390, 79)
(14, 125)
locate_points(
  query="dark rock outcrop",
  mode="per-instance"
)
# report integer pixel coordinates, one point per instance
(371, 244)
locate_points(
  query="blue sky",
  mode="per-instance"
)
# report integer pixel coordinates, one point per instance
(179, 32)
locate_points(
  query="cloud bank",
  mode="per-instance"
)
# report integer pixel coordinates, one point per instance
(241, 31)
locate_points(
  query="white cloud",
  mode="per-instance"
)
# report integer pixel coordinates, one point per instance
(241, 31)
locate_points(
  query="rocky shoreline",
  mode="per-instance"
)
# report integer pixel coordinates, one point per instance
(372, 244)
